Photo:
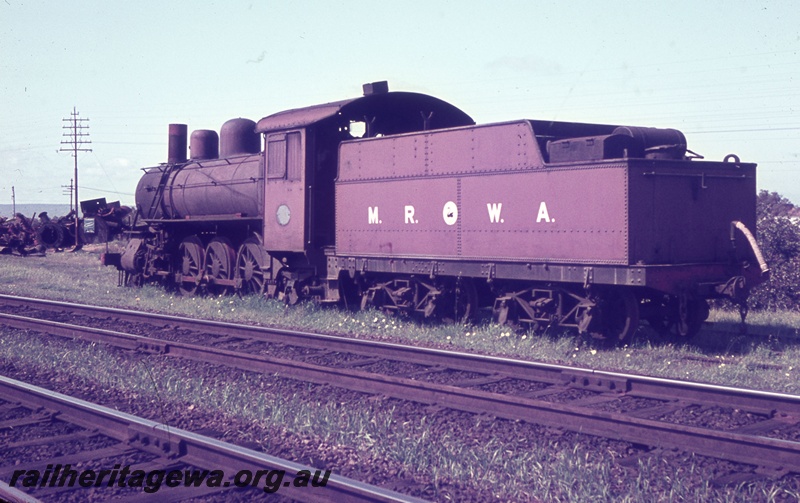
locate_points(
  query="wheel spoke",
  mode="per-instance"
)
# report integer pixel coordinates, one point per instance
(220, 258)
(252, 267)
(191, 267)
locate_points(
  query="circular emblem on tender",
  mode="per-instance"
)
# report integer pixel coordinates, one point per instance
(283, 214)
(450, 213)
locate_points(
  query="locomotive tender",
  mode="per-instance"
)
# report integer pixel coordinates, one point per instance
(548, 223)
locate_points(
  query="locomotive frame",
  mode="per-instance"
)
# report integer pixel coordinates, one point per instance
(548, 223)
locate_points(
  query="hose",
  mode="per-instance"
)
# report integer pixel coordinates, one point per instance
(753, 244)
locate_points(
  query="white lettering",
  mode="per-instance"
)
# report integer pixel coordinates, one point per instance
(543, 214)
(494, 211)
(373, 215)
(410, 215)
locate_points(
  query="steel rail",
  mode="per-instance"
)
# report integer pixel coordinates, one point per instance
(775, 454)
(14, 495)
(763, 402)
(193, 449)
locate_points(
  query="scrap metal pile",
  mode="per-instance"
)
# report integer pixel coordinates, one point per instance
(25, 236)
(101, 222)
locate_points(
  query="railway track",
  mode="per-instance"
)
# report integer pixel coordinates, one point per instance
(69, 442)
(755, 428)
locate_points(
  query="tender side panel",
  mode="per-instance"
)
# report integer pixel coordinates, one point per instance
(466, 150)
(556, 215)
(396, 218)
(681, 213)
(478, 193)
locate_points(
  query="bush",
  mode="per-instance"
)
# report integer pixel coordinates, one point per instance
(779, 238)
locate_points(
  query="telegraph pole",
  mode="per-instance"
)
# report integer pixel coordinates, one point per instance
(76, 137)
(13, 202)
(67, 191)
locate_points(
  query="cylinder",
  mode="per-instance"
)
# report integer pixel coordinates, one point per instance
(237, 137)
(658, 143)
(177, 143)
(204, 144)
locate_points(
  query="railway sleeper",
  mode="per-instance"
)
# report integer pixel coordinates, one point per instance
(743, 477)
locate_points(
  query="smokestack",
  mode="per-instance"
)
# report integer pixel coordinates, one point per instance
(177, 143)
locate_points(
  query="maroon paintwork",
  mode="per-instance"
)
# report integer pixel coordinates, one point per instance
(400, 199)
(396, 197)
(301, 147)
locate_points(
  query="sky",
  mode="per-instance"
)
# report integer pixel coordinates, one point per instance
(724, 73)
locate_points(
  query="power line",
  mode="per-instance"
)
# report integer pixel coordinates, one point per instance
(744, 130)
(106, 190)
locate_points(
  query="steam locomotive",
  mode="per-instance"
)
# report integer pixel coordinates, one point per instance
(399, 201)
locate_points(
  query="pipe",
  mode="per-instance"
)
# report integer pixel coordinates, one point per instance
(753, 244)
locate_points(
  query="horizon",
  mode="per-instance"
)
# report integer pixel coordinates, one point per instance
(725, 77)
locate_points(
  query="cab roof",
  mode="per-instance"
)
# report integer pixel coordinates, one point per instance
(386, 113)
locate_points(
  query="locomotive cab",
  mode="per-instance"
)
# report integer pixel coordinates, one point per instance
(301, 151)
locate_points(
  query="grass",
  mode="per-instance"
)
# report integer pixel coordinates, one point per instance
(529, 467)
(517, 467)
(769, 359)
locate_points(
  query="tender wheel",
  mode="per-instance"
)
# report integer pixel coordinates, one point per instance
(191, 266)
(660, 324)
(622, 316)
(465, 302)
(219, 266)
(680, 315)
(536, 309)
(613, 317)
(691, 316)
(252, 267)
